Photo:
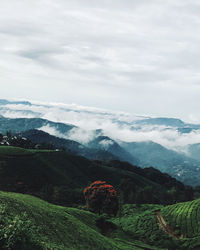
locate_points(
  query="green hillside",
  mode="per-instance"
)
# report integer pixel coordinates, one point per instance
(60, 177)
(30, 223)
(184, 220)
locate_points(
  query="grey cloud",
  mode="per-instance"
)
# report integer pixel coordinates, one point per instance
(111, 53)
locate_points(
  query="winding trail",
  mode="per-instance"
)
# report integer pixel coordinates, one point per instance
(166, 227)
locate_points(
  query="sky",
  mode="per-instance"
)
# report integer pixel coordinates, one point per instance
(136, 56)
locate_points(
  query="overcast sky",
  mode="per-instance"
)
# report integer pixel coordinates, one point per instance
(138, 56)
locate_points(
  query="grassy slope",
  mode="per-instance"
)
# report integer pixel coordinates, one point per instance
(56, 227)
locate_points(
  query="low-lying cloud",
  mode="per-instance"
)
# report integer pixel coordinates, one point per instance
(80, 135)
(119, 126)
(106, 143)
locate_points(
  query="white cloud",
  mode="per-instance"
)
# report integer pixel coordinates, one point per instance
(51, 130)
(106, 143)
(80, 135)
(119, 126)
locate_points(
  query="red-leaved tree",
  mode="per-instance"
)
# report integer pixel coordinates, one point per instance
(101, 198)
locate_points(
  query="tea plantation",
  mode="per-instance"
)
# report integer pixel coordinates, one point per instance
(28, 223)
(184, 218)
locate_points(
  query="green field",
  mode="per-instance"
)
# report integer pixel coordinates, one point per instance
(30, 223)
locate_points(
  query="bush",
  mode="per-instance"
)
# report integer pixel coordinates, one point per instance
(17, 232)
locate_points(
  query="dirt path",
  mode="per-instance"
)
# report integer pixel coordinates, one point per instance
(163, 224)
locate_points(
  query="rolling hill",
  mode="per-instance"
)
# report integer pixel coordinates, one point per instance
(28, 223)
(60, 177)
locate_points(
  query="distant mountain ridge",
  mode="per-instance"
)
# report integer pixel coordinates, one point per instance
(173, 122)
(104, 144)
(180, 166)
(135, 120)
(107, 144)
(17, 125)
(101, 147)
(39, 136)
(5, 102)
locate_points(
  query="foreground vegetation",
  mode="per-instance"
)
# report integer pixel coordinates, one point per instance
(30, 223)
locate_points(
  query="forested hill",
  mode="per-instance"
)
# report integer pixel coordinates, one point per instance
(60, 177)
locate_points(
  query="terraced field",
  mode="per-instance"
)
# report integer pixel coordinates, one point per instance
(184, 218)
(172, 227)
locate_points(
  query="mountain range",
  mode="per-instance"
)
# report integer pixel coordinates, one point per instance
(103, 144)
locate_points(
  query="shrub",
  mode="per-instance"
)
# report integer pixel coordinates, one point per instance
(17, 232)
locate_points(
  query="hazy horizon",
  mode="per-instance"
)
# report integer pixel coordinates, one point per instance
(73, 104)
